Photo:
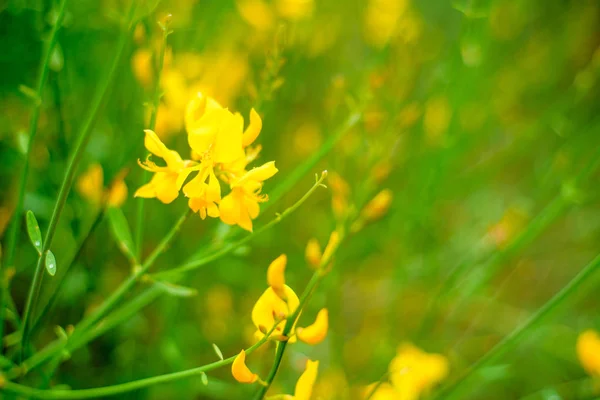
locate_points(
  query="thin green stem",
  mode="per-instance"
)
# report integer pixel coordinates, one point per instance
(232, 246)
(14, 388)
(139, 221)
(516, 335)
(15, 226)
(291, 320)
(82, 139)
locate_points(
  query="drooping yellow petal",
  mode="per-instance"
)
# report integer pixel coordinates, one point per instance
(155, 146)
(304, 386)
(276, 275)
(258, 174)
(588, 352)
(315, 333)
(240, 371)
(313, 252)
(253, 129)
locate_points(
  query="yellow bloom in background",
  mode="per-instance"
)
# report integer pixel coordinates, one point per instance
(437, 118)
(381, 19)
(384, 391)
(240, 371)
(332, 244)
(117, 193)
(167, 180)
(588, 352)
(257, 13)
(313, 253)
(306, 382)
(269, 306)
(276, 275)
(340, 194)
(90, 184)
(414, 372)
(378, 206)
(315, 333)
(141, 64)
(295, 10)
(240, 206)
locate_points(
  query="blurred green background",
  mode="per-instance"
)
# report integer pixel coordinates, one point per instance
(482, 117)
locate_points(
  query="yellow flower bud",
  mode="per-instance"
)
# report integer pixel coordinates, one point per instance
(240, 371)
(90, 184)
(304, 386)
(276, 275)
(117, 194)
(332, 245)
(315, 333)
(313, 253)
(588, 351)
(378, 206)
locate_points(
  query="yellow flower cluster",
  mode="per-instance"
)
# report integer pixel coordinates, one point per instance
(588, 351)
(221, 151)
(269, 316)
(90, 185)
(413, 373)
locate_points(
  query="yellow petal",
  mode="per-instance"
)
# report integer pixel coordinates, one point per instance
(258, 174)
(588, 352)
(155, 146)
(90, 184)
(313, 252)
(378, 206)
(304, 386)
(253, 130)
(228, 141)
(230, 209)
(240, 371)
(384, 391)
(276, 275)
(415, 372)
(315, 333)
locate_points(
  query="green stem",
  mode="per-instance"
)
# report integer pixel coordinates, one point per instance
(14, 388)
(15, 226)
(82, 139)
(139, 221)
(516, 335)
(232, 246)
(291, 320)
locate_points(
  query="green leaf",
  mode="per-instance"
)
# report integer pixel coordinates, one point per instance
(121, 232)
(50, 263)
(33, 230)
(204, 378)
(176, 290)
(218, 351)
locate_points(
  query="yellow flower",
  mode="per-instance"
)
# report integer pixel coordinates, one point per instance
(304, 386)
(257, 13)
(167, 180)
(437, 118)
(384, 391)
(204, 196)
(270, 306)
(313, 252)
(240, 371)
(240, 206)
(378, 206)
(588, 351)
(295, 9)
(117, 193)
(276, 277)
(90, 184)
(414, 372)
(334, 241)
(315, 333)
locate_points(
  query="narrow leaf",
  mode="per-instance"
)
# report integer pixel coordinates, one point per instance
(218, 351)
(50, 263)
(33, 230)
(121, 232)
(176, 290)
(204, 378)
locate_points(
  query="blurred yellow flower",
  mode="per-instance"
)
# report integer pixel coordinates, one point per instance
(437, 118)
(381, 19)
(588, 351)
(378, 206)
(276, 275)
(414, 372)
(90, 184)
(240, 371)
(332, 244)
(294, 10)
(315, 333)
(117, 193)
(257, 13)
(141, 64)
(167, 180)
(313, 253)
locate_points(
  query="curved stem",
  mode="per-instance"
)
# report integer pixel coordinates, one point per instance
(82, 139)
(514, 337)
(15, 226)
(139, 221)
(112, 390)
